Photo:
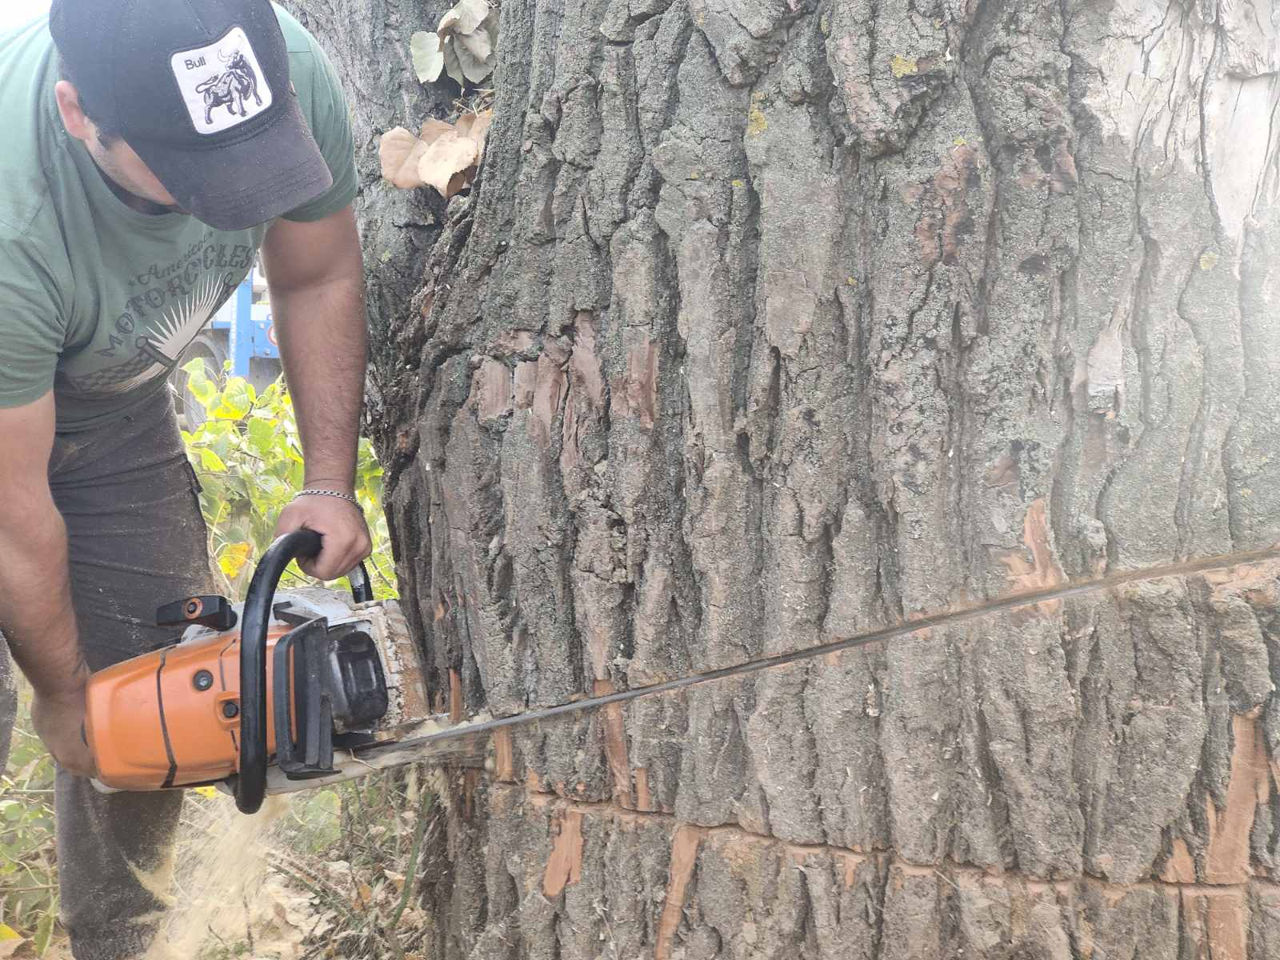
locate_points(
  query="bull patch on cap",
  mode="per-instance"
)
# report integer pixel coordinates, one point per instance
(222, 83)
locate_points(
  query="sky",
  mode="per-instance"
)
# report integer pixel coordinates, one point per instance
(14, 12)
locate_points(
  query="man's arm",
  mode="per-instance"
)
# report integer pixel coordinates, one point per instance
(36, 614)
(316, 278)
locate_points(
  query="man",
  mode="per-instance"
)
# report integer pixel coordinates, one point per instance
(151, 148)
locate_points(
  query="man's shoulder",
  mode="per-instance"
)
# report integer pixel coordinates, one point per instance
(314, 79)
(298, 39)
(26, 210)
(320, 97)
(311, 71)
(26, 115)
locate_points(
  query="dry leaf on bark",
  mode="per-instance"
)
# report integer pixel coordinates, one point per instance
(446, 158)
(478, 45)
(473, 68)
(400, 151)
(442, 155)
(476, 126)
(427, 50)
(463, 46)
(466, 17)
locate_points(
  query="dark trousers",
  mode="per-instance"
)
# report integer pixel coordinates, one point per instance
(137, 539)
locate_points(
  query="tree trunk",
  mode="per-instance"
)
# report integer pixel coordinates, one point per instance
(769, 323)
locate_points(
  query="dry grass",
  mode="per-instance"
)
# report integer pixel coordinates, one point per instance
(323, 874)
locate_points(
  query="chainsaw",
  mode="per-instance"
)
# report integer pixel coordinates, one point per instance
(317, 688)
(266, 708)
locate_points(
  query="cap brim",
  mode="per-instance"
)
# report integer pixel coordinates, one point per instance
(244, 184)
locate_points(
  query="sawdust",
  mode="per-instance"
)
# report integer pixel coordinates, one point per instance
(226, 899)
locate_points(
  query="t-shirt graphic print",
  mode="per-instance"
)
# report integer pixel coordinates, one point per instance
(222, 84)
(163, 310)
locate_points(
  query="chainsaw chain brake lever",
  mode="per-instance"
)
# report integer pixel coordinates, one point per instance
(250, 783)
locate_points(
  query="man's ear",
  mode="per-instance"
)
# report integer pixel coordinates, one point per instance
(73, 117)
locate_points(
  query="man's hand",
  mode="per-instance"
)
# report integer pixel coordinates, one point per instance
(59, 722)
(342, 525)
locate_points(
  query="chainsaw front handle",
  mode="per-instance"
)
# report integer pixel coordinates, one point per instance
(251, 781)
(361, 585)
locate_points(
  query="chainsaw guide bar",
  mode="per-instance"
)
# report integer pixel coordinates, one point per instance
(438, 742)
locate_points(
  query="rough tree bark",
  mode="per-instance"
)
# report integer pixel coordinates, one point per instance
(774, 320)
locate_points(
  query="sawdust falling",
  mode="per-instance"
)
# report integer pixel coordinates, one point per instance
(226, 896)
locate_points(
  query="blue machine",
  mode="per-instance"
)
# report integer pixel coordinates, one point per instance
(244, 332)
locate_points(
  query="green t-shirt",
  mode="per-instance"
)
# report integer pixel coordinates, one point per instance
(98, 300)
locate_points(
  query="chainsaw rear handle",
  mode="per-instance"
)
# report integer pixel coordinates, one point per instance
(251, 781)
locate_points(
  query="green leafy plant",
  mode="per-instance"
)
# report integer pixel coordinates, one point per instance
(248, 458)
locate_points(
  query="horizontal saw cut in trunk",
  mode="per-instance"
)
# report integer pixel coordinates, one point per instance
(766, 327)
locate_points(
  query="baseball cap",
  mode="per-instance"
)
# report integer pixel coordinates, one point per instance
(200, 90)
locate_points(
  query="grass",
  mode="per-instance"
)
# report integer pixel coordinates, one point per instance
(28, 867)
(334, 874)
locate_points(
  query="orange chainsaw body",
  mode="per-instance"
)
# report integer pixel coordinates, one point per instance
(171, 717)
(345, 670)
(309, 676)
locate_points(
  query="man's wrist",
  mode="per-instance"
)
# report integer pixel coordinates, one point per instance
(350, 498)
(336, 484)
